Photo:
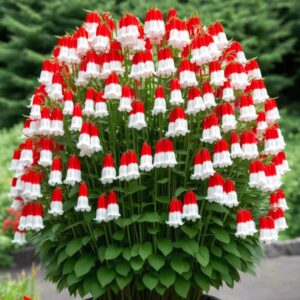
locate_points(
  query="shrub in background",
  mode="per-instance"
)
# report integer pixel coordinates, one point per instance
(185, 121)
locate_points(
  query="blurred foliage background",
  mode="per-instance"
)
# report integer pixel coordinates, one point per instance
(268, 30)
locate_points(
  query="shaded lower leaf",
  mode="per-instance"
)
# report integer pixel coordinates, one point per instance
(150, 281)
(84, 265)
(167, 277)
(182, 287)
(106, 275)
(156, 261)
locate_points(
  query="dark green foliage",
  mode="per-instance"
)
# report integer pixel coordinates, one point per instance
(28, 29)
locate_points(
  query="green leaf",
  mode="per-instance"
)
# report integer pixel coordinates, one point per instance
(91, 285)
(122, 282)
(106, 275)
(85, 240)
(220, 234)
(156, 261)
(127, 253)
(73, 246)
(167, 277)
(145, 250)
(69, 266)
(152, 217)
(160, 289)
(113, 251)
(190, 246)
(232, 248)
(182, 287)
(217, 251)
(216, 207)
(163, 180)
(135, 250)
(137, 263)
(153, 230)
(190, 231)
(150, 281)
(123, 268)
(163, 199)
(203, 256)
(61, 257)
(84, 265)
(101, 253)
(98, 231)
(180, 266)
(233, 260)
(219, 265)
(179, 191)
(72, 278)
(165, 246)
(202, 281)
(119, 235)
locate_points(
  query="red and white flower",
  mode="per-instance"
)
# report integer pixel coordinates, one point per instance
(176, 95)
(231, 198)
(129, 168)
(272, 113)
(46, 152)
(249, 145)
(261, 124)
(113, 89)
(146, 163)
(100, 105)
(89, 103)
(217, 32)
(208, 95)
(19, 237)
(83, 201)
(215, 191)
(126, 99)
(187, 76)
(252, 69)
(217, 76)
(273, 143)
(178, 125)
(221, 157)
(92, 65)
(57, 123)
(281, 199)
(211, 130)
(82, 41)
(73, 171)
(76, 122)
(237, 75)
(154, 26)
(257, 177)
(26, 157)
(55, 89)
(267, 231)
(56, 206)
(55, 176)
(165, 64)
(259, 91)
(101, 212)
(91, 23)
(277, 214)
(175, 213)
(47, 72)
(137, 116)
(159, 101)
(203, 167)
(195, 102)
(177, 34)
(235, 147)
(164, 154)
(227, 92)
(190, 207)
(128, 30)
(245, 224)
(112, 206)
(108, 173)
(35, 112)
(247, 109)
(17, 203)
(272, 181)
(101, 40)
(68, 103)
(228, 118)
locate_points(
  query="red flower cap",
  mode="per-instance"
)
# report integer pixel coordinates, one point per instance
(175, 206)
(189, 198)
(83, 190)
(77, 111)
(92, 17)
(112, 198)
(74, 163)
(221, 146)
(57, 114)
(108, 161)
(146, 150)
(57, 195)
(102, 201)
(56, 164)
(215, 180)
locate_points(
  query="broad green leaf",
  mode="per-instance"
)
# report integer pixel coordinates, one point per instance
(73, 246)
(163, 199)
(180, 266)
(106, 275)
(61, 257)
(153, 230)
(202, 281)
(150, 281)
(167, 277)
(98, 231)
(220, 234)
(156, 261)
(119, 235)
(190, 231)
(145, 250)
(137, 263)
(72, 278)
(233, 260)
(152, 217)
(217, 251)
(179, 191)
(182, 287)
(85, 240)
(101, 253)
(84, 265)
(113, 251)
(127, 253)
(203, 256)
(232, 248)
(160, 289)
(123, 268)
(165, 246)
(69, 266)
(190, 246)
(207, 270)
(92, 285)
(163, 180)
(219, 265)
(123, 281)
(135, 250)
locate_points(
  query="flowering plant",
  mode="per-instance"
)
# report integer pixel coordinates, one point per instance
(152, 149)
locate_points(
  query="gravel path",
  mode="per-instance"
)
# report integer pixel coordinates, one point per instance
(277, 279)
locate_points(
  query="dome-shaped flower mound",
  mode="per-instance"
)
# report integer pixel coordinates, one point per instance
(148, 159)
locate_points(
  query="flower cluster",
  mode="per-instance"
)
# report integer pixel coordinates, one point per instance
(112, 94)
